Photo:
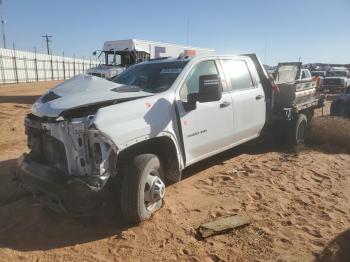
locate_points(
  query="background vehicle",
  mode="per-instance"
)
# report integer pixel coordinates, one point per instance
(153, 120)
(120, 54)
(336, 79)
(294, 101)
(341, 106)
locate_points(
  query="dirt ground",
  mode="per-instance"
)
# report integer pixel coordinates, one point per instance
(298, 199)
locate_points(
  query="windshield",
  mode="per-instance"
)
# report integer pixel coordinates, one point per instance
(110, 58)
(337, 73)
(151, 77)
(316, 73)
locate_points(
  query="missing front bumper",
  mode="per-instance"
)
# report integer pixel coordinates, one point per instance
(58, 191)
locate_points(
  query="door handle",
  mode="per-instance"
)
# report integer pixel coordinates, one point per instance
(225, 104)
(259, 97)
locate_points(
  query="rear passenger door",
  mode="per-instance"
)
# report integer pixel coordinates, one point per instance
(248, 98)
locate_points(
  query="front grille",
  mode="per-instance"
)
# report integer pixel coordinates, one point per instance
(46, 149)
(54, 152)
(332, 82)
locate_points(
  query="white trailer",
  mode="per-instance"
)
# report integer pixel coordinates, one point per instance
(117, 55)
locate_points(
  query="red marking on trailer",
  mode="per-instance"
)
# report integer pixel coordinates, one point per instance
(190, 52)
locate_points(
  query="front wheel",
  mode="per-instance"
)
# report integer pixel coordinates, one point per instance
(142, 188)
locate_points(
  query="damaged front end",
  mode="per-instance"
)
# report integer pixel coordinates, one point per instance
(69, 160)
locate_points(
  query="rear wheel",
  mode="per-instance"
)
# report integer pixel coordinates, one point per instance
(300, 130)
(142, 189)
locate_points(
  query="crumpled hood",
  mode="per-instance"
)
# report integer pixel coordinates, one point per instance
(81, 90)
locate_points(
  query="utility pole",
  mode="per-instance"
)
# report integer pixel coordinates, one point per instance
(3, 21)
(187, 31)
(47, 40)
(265, 57)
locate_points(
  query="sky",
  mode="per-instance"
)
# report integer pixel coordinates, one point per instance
(277, 30)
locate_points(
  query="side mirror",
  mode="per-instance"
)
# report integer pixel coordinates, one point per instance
(94, 53)
(210, 88)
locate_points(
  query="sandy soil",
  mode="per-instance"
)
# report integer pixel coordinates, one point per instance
(298, 199)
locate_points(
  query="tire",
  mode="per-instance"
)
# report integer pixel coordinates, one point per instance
(142, 188)
(347, 109)
(338, 108)
(300, 130)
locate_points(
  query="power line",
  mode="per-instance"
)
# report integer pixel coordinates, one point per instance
(47, 40)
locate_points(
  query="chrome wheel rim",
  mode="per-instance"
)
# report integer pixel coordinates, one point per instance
(154, 191)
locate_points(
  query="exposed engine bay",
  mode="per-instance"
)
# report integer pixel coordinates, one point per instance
(72, 147)
(69, 163)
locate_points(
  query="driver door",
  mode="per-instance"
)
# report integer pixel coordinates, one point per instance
(207, 129)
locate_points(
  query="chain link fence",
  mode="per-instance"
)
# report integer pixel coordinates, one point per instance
(21, 66)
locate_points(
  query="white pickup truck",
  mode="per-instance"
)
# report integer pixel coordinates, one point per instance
(337, 79)
(152, 121)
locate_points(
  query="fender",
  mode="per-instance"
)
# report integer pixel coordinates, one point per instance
(169, 135)
(138, 121)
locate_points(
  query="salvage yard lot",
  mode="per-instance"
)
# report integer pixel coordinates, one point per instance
(297, 198)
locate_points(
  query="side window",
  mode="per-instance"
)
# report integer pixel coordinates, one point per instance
(191, 84)
(307, 74)
(238, 73)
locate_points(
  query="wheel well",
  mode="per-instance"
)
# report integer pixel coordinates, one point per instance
(163, 147)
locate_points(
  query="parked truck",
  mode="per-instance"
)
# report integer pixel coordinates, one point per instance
(117, 55)
(146, 125)
(337, 79)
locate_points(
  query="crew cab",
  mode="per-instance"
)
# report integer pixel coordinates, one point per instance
(146, 125)
(336, 80)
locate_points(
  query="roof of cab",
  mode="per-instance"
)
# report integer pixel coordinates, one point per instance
(187, 58)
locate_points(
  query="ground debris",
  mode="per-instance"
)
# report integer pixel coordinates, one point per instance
(222, 225)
